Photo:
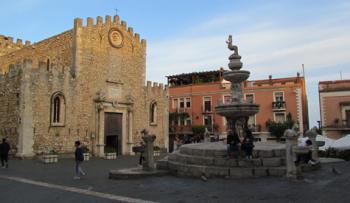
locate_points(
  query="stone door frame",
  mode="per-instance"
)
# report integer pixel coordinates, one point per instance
(127, 126)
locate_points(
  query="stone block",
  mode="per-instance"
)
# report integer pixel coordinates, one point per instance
(271, 162)
(245, 163)
(277, 171)
(255, 154)
(265, 153)
(260, 172)
(241, 172)
(162, 164)
(217, 171)
(257, 162)
(279, 152)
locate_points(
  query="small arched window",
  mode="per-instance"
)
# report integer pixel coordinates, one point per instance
(58, 109)
(153, 113)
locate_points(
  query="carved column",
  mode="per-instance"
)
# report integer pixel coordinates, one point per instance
(100, 140)
(130, 124)
(149, 159)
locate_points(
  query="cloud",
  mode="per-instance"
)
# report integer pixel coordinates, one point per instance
(266, 48)
(268, 45)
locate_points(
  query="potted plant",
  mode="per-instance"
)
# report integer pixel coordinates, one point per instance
(156, 151)
(110, 153)
(86, 153)
(50, 157)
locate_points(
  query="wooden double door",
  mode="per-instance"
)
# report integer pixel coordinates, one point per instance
(113, 131)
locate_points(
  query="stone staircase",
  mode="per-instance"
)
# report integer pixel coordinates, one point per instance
(209, 159)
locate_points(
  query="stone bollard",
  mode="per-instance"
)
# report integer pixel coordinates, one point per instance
(149, 159)
(312, 136)
(291, 136)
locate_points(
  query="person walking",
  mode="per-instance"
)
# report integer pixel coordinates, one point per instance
(4, 153)
(79, 158)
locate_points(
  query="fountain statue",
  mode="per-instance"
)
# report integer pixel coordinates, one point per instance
(237, 111)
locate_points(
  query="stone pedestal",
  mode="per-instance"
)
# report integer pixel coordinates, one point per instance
(312, 136)
(291, 142)
(148, 164)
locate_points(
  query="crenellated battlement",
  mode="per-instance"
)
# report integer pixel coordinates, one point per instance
(156, 88)
(8, 45)
(108, 22)
(6, 41)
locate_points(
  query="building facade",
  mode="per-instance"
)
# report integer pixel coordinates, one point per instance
(87, 84)
(335, 107)
(197, 94)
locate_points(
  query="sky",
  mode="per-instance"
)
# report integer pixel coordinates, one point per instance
(275, 37)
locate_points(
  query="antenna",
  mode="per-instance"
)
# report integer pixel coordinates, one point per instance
(116, 11)
(341, 75)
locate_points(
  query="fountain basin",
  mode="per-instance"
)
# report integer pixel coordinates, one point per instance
(236, 76)
(237, 110)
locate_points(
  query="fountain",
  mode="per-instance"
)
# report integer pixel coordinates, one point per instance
(210, 158)
(237, 109)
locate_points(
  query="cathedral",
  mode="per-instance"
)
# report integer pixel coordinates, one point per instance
(87, 83)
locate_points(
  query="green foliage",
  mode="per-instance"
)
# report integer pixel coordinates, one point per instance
(277, 128)
(85, 149)
(334, 153)
(198, 129)
(156, 148)
(110, 150)
(52, 151)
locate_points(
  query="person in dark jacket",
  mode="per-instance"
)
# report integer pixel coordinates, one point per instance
(79, 158)
(233, 143)
(248, 145)
(4, 153)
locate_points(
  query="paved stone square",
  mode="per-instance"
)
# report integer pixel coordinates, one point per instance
(33, 181)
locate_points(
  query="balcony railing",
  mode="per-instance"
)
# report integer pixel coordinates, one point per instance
(340, 125)
(279, 106)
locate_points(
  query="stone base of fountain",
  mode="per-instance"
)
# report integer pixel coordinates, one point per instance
(210, 160)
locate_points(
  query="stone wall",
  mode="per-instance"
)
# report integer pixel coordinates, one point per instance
(9, 109)
(54, 50)
(7, 45)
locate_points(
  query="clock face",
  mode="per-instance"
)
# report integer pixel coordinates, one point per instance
(115, 38)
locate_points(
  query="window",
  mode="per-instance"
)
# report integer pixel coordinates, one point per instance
(207, 104)
(58, 108)
(188, 121)
(278, 96)
(182, 103)
(249, 98)
(188, 102)
(280, 117)
(227, 99)
(153, 113)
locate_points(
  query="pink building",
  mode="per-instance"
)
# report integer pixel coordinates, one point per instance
(335, 107)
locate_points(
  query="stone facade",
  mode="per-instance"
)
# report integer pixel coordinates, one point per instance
(94, 69)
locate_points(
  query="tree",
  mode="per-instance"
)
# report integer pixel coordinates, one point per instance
(277, 128)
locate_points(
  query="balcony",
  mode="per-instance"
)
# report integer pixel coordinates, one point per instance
(342, 125)
(279, 106)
